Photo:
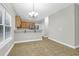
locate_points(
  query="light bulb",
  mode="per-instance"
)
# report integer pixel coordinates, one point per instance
(33, 13)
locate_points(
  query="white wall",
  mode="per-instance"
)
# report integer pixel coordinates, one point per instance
(76, 25)
(6, 45)
(46, 22)
(61, 26)
(25, 37)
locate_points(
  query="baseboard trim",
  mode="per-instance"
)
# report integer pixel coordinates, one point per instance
(6, 54)
(63, 43)
(77, 46)
(27, 41)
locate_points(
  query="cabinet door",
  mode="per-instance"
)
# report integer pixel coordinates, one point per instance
(24, 25)
(18, 21)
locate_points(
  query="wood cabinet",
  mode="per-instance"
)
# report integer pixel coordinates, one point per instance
(24, 24)
(18, 21)
(28, 25)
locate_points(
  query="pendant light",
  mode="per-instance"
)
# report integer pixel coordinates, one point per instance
(33, 13)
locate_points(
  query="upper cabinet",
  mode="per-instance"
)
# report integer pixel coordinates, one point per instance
(24, 24)
(18, 21)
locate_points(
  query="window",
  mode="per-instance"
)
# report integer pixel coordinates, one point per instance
(1, 33)
(7, 32)
(5, 24)
(0, 17)
(1, 22)
(7, 19)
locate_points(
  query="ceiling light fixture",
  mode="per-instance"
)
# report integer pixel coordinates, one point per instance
(33, 13)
